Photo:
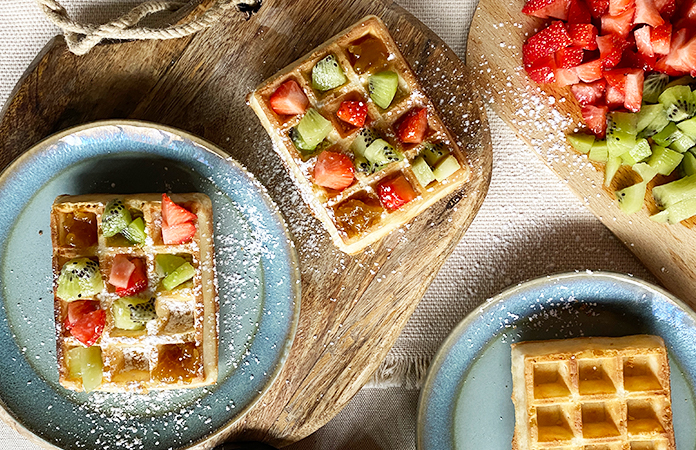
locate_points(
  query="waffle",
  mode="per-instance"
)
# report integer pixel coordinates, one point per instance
(357, 216)
(592, 394)
(176, 350)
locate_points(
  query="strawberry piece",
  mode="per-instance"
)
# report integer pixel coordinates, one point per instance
(643, 43)
(353, 112)
(584, 35)
(569, 57)
(545, 43)
(289, 99)
(634, 91)
(617, 7)
(637, 60)
(543, 71)
(681, 59)
(578, 12)
(661, 38)
(77, 309)
(615, 97)
(611, 49)
(544, 9)
(333, 170)
(667, 8)
(89, 327)
(412, 128)
(647, 13)
(595, 118)
(590, 71)
(178, 234)
(173, 214)
(619, 24)
(395, 192)
(598, 8)
(121, 270)
(566, 77)
(589, 93)
(137, 281)
(617, 78)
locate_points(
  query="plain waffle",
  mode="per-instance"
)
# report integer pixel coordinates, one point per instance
(356, 216)
(179, 348)
(592, 393)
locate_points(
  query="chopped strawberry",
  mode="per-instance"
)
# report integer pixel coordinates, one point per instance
(544, 9)
(89, 327)
(666, 8)
(545, 43)
(137, 281)
(595, 118)
(584, 35)
(598, 7)
(617, 77)
(634, 91)
(178, 234)
(569, 57)
(615, 97)
(688, 15)
(333, 170)
(543, 71)
(289, 99)
(643, 43)
(617, 7)
(637, 60)
(412, 128)
(589, 93)
(395, 192)
(681, 59)
(173, 214)
(611, 49)
(619, 24)
(121, 270)
(590, 71)
(660, 38)
(353, 112)
(566, 77)
(77, 309)
(578, 12)
(647, 13)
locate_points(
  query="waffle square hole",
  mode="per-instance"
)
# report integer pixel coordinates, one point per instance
(344, 128)
(639, 374)
(368, 54)
(553, 424)
(177, 363)
(642, 418)
(179, 317)
(593, 377)
(358, 214)
(77, 229)
(644, 445)
(281, 87)
(597, 421)
(549, 382)
(129, 365)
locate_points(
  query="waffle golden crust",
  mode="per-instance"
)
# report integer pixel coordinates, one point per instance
(363, 212)
(592, 394)
(178, 348)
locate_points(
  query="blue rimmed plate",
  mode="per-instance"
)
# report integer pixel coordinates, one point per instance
(465, 402)
(258, 278)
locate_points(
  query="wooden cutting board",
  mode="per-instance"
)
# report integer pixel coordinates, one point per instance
(541, 115)
(353, 307)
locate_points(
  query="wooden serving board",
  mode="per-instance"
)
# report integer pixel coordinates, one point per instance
(353, 307)
(541, 115)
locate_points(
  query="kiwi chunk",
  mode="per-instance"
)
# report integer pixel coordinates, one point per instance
(363, 140)
(327, 74)
(581, 142)
(182, 274)
(679, 103)
(612, 166)
(688, 127)
(446, 167)
(646, 172)
(621, 132)
(382, 87)
(79, 278)
(312, 129)
(434, 152)
(422, 171)
(671, 193)
(653, 85)
(132, 313)
(598, 152)
(646, 116)
(166, 264)
(640, 152)
(664, 160)
(135, 231)
(381, 152)
(115, 218)
(688, 164)
(631, 199)
(681, 210)
(86, 363)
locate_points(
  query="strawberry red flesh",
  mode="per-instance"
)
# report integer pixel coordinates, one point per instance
(611, 49)
(590, 71)
(178, 234)
(545, 43)
(353, 112)
(137, 281)
(647, 13)
(77, 309)
(578, 12)
(620, 24)
(395, 192)
(595, 118)
(121, 270)
(569, 57)
(544, 9)
(589, 93)
(412, 128)
(583, 35)
(634, 91)
(333, 170)
(173, 214)
(289, 99)
(89, 327)
(661, 38)
(617, 7)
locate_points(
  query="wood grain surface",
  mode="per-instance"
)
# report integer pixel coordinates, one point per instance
(541, 115)
(353, 307)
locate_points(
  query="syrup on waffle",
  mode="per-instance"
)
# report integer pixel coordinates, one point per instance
(592, 394)
(380, 197)
(176, 349)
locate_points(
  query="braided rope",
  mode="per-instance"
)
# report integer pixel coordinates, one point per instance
(81, 38)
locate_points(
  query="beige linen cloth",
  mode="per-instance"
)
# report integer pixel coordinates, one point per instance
(530, 225)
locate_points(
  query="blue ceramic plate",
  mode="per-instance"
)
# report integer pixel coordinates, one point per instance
(465, 403)
(258, 281)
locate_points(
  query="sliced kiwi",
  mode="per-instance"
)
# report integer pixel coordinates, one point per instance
(679, 103)
(581, 142)
(381, 152)
(79, 278)
(612, 166)
(313, 128)
(166, 264)
(640, 152)
(182, 274)
(86, 363)
(681, 210)
(653, 85)
(688, 164)
(434, 152)
(671, 193)
(115, 218)
(422, 171)
(363, 140)
(688, 127)
(135, 231)
(446, 167)
(382, 87)
(132, 313)
(327, 74)
(664, 160)
(598, 152)
(631, 199)
(658, 123)
(621, 132)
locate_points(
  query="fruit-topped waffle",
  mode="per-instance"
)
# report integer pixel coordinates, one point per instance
(135, 292)
(361, 140)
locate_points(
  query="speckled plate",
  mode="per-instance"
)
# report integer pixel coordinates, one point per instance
(257, 274)
(465, 403)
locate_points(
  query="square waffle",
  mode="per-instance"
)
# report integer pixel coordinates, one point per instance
(592, 393)
(359, 214)
(178, 349)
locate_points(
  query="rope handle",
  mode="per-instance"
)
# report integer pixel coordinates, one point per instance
(81, 38)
